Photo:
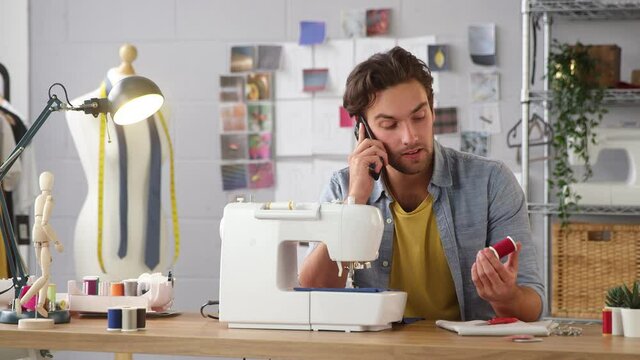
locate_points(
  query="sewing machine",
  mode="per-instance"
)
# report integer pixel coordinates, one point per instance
(258, 269)
(612, 193)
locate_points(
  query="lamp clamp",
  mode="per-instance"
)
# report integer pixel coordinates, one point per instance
(94, 106)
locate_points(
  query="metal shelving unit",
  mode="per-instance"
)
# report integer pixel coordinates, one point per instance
(552, 209)
(574, 10)
(587, 9)
(612, 97)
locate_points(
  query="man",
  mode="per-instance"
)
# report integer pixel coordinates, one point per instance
(442, 207)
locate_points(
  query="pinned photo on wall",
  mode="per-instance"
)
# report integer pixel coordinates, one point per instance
(484, 87)
(482, 44)
(260, 116)
(258, 86)
(474, 142)
(485, 118)
(354, 23)
(446, 121)
(233, 146)
(378, 21)
(233, 117)
(261, 175)
(312, 32)
(346, 121)
(269, 57)
(314, 79)
(439, 57)
(234, 177)
(260, 146)
(231, 88)
(242, 58)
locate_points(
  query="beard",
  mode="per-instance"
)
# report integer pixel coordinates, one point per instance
(408, 166)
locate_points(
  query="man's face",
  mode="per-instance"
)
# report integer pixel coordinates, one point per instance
(402, 119)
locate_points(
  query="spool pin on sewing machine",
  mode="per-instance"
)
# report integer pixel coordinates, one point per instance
(612, 193)
(258, 269)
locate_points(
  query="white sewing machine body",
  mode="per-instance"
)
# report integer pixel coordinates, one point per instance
(612, 193)
(258, 269)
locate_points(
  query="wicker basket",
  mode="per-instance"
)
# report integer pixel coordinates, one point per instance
(588, 259)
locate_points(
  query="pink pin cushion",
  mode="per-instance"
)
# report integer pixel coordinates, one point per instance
(503, 248)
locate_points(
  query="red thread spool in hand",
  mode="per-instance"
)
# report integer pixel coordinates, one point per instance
(503, 248)
(607, 321)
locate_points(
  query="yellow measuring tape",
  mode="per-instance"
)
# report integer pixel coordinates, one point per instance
(103, 127)
(172, 187)
(172, 190)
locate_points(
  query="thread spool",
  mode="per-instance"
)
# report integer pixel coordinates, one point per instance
(51, 296)
(141, 318)
(114, 319)
(31, 304)
(129, 319)
(117, 289)
(504, 247)
(73, 288)
(130, 287)
(607, 322)
(280, 205)
(90, 285)
(103, 288)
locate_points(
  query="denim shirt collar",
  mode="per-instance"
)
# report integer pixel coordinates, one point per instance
(441, 172)
(441, 175)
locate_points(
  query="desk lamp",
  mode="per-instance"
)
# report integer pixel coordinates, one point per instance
(133, 99)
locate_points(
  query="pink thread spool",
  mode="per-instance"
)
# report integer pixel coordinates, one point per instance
(503, 248)
(90, 285)
(31, 304)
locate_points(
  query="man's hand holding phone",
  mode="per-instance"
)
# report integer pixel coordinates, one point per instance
(368, 157)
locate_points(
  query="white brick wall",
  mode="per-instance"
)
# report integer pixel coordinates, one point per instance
(183, 46)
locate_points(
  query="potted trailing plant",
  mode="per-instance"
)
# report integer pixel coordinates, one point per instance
(615, 301)
(631, 310)
(576, 103)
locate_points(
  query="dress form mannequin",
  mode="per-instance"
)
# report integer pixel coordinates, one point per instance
(85, 131)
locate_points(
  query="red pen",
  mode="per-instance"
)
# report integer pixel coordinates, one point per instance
(502, 320)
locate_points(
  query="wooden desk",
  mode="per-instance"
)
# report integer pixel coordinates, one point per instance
(190, 334)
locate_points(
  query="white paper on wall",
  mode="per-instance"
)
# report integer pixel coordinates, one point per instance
(451, 141)
(485, 87)
(289, 79)
(484, 117)
(293, 128)
(365, 47)
(337, 56)
(419, 46)
(294, 180)
(322, 172)
(328, 137)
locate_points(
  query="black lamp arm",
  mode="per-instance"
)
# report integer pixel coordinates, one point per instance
(6, 226)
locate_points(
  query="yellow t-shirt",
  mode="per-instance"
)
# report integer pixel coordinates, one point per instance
(419, 265)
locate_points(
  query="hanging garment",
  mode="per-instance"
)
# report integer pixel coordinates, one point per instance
(11, 180)
(27, 188)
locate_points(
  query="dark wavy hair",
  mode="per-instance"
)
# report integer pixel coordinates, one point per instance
(382, 71)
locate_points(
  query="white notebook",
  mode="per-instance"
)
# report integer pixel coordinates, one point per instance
(480, 328)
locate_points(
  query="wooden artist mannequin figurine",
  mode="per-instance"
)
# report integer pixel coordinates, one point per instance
(128, 176)
(43, 234)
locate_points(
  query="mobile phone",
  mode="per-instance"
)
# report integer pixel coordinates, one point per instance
(368, 134)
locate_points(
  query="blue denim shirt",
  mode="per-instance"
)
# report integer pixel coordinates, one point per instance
(477, 202)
